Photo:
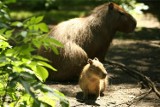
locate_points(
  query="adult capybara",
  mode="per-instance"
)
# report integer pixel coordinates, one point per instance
(85, 37)
(93, 79)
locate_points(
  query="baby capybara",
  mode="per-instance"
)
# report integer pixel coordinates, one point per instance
(93, 79)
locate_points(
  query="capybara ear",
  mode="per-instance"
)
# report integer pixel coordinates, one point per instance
(96, 59)
(90, 61)
(111, 5)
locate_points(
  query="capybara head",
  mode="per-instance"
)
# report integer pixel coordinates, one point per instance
(96, 68)
(117, 16)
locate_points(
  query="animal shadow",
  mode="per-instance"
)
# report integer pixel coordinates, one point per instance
(90, 101)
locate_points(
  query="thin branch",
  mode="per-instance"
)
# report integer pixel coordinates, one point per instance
(135, 74)
(78, 105)
(136, 99)
(140, 97)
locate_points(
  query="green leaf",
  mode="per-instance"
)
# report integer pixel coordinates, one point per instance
(43, 27)
(39, 19)
(17, 24)
(50, 96)
(48, 100)
(4, 45)
(54, 42)
(26, 61)
(46, 65)
(63, 101)
(32, 20)
(37, 57)
(31, 27)
(27, 76)
(35, 27)
(37, 43)
(41, 73)
(25, 50)
(24, 101)
(7, 16)
(17, 69)
(2, 91)
(24, 33)
(55, 50)
(2, 38)
(26, 85)
(2, 30)
(3, 61)
(8, 33)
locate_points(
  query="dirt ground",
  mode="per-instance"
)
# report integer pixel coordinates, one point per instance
(138, 50)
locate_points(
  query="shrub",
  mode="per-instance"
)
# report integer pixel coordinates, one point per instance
(23, 73)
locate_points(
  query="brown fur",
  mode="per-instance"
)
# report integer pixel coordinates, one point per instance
(86, 37)
(69, 62)
(93, 79)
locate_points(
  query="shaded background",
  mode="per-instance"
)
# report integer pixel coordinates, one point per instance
(59, 10)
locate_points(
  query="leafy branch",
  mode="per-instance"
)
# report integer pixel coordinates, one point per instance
(22, 71)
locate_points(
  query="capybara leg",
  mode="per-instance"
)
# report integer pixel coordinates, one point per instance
(98, 96)
(98, 93)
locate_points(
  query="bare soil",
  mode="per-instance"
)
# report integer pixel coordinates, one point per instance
(138, 50)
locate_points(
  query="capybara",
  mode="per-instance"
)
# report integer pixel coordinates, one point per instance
(85, 37)
(93, 79)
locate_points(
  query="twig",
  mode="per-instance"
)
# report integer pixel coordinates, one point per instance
(78, 105)
(140, 97)
(137, 98)
(135, 74)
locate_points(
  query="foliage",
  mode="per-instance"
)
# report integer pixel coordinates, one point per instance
(4, 16)
(72, 4)
(55, 10)
(133, 6)
(52, 16)
(21, 73)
